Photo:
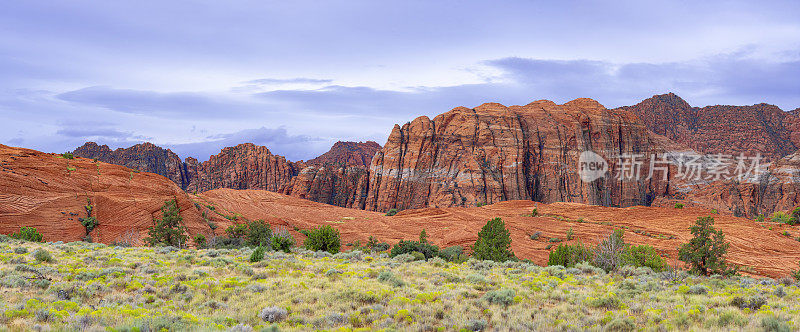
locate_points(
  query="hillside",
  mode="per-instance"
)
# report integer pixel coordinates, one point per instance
(765, 250)
(50, 192)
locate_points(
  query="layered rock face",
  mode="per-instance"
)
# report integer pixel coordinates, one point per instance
(145, 157)
(777, 189)
(494, 153)
(761, 128)
(339, 177)
(245, 166)
(356, 154)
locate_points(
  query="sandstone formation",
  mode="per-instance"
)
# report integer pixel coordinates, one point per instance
(495, 153)
(245, 166)
(50, 193)
(355, 154)
(761, 128)
(777, 189)
(145, 157)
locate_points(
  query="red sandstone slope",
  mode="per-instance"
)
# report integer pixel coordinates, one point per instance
(761, 128)
(356, 154)
(768, 252)
(48, 192)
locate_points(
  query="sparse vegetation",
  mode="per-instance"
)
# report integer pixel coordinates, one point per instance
(679, 205)
(391, 212)
(127, 289)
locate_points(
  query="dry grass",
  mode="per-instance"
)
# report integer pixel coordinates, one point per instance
(95, 287)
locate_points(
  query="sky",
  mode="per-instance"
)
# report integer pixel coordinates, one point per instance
(297, 76)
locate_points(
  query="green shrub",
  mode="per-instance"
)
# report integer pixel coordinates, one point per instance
(620, 325)
(28, 234)
(706, 251)
(375, 246)
(644, 255)
(258, 233)
(781, 217)
(42, 255)
(89, 223)
(503, 296)
(752, 302)
(238, 231)
(408, 247)
(169, 230)
(570, 234)
(200, 241)
(534, 212)
(282, 240)
(67, 155)
(773, 324)
(391, 212)
(418, 256)
(760, 218)
(257, 254)
(324, 238)
(568, 255)
(453, 254)
(494, 242)
(679, 205)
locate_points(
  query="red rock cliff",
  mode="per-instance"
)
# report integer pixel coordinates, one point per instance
(761, 128)
(493, 153)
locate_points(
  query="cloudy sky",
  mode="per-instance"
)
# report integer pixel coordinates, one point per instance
(297, 76)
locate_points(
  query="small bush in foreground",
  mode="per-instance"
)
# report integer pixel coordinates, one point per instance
(42, 255)
(568, 255)
(425, 248)
(282, 240)
(257, 254)
(200, 241)
(28, 234)
(494, 242)
(609, 253)
(324, 238)
(503, 296)
(273, 314)
(644, 255)
(258, 233)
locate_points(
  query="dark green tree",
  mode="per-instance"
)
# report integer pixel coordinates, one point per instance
(169, 230)
(258, 233)
(423, 236)
(324, 238)
(494, 242)
(705, 253)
